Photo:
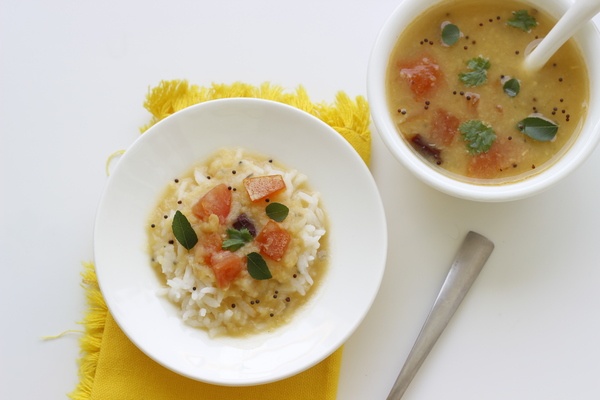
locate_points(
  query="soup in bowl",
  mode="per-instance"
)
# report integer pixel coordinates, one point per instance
(453, 102)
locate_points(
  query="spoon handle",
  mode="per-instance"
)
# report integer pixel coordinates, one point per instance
(579, 13)
(471, 256)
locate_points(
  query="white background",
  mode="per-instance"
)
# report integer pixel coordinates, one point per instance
(73, 78)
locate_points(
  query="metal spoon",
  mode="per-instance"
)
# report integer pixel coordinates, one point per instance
(578, 14)
(470, 259)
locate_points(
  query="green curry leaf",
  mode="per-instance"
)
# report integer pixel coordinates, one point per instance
(257, 267)
(538, 128)
(450, 34)
(277, 211)
(512, 87)
(479, 136)
(183, 231)
(522, 19)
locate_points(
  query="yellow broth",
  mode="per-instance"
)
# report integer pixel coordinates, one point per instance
(434, 109)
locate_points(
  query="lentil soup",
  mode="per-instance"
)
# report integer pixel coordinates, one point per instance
(259, 249)
(459, 94)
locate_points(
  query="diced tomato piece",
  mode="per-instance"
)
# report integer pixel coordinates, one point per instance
(273, 240)
(259, 187)
(226, 267)
(501, 156)
(217, 201)
(444, 127)
(485, 165)
(208, 245)
(422, 75)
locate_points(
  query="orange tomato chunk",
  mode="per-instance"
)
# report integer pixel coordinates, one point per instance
(226, 267)
(259, 187)
(273, 240)
(217, 201)
(208, 245)
(444, 127)
(501, 156)
(422, 76)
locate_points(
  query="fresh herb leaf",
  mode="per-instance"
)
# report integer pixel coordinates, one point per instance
(479, 136)
(522, 19)
(183, 231)
(538, 128)
(512, 87)
(478, 75)
(277, 211)
(257, 267)
(450, 34)
(236, 239)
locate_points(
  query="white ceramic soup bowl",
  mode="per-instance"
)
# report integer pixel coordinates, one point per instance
(588, 40)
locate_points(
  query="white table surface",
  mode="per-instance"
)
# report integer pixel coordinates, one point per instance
(73, 77)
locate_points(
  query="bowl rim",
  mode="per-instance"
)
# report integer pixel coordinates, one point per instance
(588, 40)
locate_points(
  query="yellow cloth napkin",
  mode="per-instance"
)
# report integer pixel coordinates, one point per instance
(113, 368)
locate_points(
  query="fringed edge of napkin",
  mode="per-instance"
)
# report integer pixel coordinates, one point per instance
(350, 118)
(91, 342)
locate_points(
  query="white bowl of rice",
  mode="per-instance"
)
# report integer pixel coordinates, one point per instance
(257, 285)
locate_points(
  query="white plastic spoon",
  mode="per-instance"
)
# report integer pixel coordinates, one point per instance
(580, 12)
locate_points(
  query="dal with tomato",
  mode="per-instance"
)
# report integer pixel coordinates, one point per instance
(460, 96)
(240, 241)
